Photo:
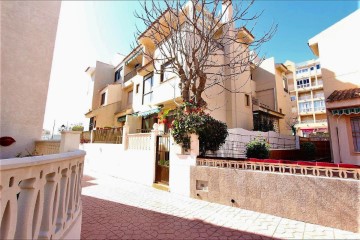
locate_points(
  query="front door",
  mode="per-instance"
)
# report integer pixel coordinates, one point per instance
(162, 159)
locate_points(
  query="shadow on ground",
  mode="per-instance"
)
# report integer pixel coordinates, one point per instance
(103, 219)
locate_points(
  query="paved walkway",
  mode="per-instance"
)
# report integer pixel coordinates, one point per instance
(118, 209)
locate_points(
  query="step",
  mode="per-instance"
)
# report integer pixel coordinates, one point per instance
(161, 186)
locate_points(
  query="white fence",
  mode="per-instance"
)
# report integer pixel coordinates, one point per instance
(235, 143)
(139, 141)
(40, 196)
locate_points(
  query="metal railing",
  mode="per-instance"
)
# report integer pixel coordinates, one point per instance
(131, 74)
(235, 145)
(283, 166)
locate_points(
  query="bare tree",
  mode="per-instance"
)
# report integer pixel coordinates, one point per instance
(204, 42)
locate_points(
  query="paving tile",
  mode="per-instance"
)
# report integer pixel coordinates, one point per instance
(118, 209)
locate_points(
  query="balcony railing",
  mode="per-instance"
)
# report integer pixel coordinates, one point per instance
(303, 85)
(41, 196)
(131, 74)
(307, 121)
(321, 120)
(306, 110)
(319, 109)
(304, 98)
(257, 102)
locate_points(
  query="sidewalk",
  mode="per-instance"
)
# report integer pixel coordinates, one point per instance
(118, 209)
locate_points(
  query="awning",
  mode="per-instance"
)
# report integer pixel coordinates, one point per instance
(134, 56)
(121, 119)
(147, 113)
(346, 111)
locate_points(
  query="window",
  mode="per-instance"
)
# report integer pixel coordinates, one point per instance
(137, 88)
(318, 66)
(118, 74)
(103, 96)
(91, 124)
(130, 97)
(166, 71)
(280, 110)
(247, 100)
(147, 88)
(355, 128)
(303, 83)
(319, 105)
(285, 84)
(147, 122)
(305, 107)
(293, 98)
(312, 68)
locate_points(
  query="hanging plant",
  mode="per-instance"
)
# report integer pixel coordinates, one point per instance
(162, 116)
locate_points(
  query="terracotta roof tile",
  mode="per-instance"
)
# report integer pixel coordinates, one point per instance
(339, 95)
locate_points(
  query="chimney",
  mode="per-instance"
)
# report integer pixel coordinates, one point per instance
(227, 10)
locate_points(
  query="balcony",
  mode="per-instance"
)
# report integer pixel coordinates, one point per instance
(304, 98)
(131, 74)
(307, 121)
(321, 121)
(306, 111)
(319, 109)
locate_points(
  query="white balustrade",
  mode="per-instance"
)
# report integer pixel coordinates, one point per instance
(40, 196)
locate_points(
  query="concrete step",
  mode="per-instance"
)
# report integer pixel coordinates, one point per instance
(161, 186)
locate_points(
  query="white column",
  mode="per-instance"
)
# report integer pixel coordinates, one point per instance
(125, 141)
(70, 141)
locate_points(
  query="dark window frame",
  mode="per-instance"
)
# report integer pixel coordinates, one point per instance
(118, 74)
(355, 132)
(163, 67)
(132, 96)
(247, 100)
(146, 78)
(102, 100)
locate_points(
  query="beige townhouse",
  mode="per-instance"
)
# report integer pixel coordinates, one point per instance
(338, 49)
(134, 92)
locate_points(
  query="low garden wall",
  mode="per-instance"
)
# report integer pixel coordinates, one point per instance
(112, 159)
(325, 200)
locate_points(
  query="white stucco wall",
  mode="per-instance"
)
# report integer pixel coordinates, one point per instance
(111, 159)
(28, 31)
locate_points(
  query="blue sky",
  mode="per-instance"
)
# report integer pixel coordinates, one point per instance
(297, 21)
(90, 31)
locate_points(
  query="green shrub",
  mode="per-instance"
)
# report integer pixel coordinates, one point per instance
(77, 128)
(308, 150)
(257, 148)
(191, 119)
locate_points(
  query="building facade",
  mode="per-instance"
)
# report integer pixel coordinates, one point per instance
(340, 70)
(307, 96)
(146, 93)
